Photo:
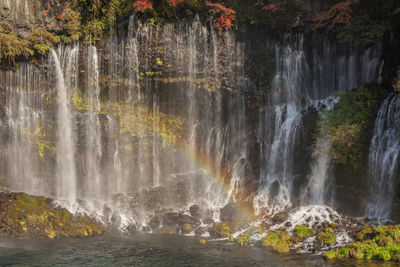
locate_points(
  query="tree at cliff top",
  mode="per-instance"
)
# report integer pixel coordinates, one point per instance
(142, 5)
(340, 13)
(224, 16)
(360, 20)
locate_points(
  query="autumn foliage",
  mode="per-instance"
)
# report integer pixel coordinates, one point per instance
(175, 2)
(142, 5)
(273, 6)
(340, 13)
(224, 16)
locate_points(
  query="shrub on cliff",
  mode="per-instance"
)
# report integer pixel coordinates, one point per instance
(43, 41)
(347, 123)
(12, 46)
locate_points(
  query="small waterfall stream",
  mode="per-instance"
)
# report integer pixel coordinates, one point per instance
(384, 159)
(66, 185)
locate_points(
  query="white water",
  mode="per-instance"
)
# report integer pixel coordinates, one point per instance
(66, 187)
(158, 122)
(130, 140)
(298, 86)
(384, 159)
(320, 182)
(93, 181)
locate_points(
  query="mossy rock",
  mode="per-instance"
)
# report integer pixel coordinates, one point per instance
(347, 124)
(187, 228)
(202, 242)
(381, 243)
(364, 233)
(34, 217)
(244, 239)
(327, 237)
(303, 231)
(220, 229)
(330, 255)
(280, 241)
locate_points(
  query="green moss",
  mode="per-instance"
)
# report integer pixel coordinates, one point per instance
(331, 254)
(33, 217)
(380, 243)
(244, 239)
(72, 25)
(43, 41)
(12, 46)
(187, 227)
(221, 229)
(327, 238)
(346, 124)
(40, 139)
(303, 232)
(280, 241)
(382, 254)
(364, 233)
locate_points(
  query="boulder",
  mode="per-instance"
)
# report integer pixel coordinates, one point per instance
(194, 211)
(187, 219)
(230, 213)
(155, 222)
(279, 218)
(170, 219)
(200, 230)
(208, 221)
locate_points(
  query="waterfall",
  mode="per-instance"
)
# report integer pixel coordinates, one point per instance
(157, 120)
(320, 183)
(305, 78)
(24, 131)
(66, 185)
(384, 159)
(93, 180)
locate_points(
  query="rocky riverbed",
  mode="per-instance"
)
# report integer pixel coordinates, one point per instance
(315, 229)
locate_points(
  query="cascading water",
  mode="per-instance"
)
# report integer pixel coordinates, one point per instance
(305, 78)
(147, 127)
(93, 181)
(384, 159)
(157, 120)
(23, 129)
(66, 186)
(319, 188)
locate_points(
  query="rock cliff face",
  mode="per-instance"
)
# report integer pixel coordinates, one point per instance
(26, 15)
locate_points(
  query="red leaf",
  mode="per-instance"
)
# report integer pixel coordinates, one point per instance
(142, 5)
(226, 15)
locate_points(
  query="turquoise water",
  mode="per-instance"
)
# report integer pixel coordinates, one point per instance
(149, 250)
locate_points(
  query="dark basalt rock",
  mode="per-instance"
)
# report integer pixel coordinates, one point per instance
(279, 218)
(230, 213)
(288, 224)
(186, 219)
(170, 218)
(195, 211)
(155, 222)
(208, 221)
(200, 230)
